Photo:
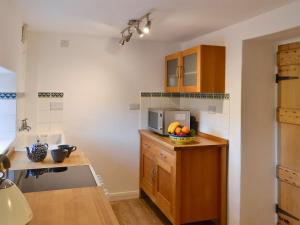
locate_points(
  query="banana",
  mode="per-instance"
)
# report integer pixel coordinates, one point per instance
(172, 127)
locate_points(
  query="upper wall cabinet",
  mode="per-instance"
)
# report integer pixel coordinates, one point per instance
(199, 69)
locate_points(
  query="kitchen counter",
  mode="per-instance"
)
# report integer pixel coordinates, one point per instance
(76, 206)
(4, 144)
(19, 161)
(202, 141)
(79, 206)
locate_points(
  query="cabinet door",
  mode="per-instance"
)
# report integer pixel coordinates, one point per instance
(190, 70)
(147, 173)
(172, 70)
(164, 189)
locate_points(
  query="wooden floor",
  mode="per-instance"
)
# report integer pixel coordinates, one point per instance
(141, 212)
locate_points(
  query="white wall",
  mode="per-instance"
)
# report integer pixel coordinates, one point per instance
(12, 51)
(7, 107)
(258, 158)
(232, 37)
(99, 79)
(215, 122)
(8, 82)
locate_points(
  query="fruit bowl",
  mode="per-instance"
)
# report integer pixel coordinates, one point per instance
(182, 140)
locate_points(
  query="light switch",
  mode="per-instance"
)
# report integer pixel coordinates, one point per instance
(134, 106)
(212, 109)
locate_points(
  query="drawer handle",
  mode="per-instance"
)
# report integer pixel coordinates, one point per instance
(147, 146)
(163, 156)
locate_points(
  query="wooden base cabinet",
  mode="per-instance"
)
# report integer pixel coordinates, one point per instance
(188, 185)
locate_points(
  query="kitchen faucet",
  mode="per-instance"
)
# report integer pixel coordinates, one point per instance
(24, 126)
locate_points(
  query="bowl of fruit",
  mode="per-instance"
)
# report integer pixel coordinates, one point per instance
(181, 134)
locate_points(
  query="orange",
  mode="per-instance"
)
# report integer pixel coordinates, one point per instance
(178, 130)
(185, 130)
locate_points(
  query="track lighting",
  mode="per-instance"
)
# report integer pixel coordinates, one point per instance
(134, 25)
(122, 41)
(147, 27)
(125, 38)
(140, 33)
(128, 37)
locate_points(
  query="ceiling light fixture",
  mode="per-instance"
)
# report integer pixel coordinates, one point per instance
(122, 41)
(128, 36)
(134, 25)
(140, 33)
(147, 27)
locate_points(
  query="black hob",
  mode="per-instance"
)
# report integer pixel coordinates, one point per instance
(53, 178)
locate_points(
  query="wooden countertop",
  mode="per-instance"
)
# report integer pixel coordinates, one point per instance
(202, 140)
(79, 206)
(19, 161)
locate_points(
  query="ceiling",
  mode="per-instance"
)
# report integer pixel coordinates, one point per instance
(173, 20)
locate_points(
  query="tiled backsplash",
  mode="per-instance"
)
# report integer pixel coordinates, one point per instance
(7, 115)
(187, 95)
(211, 110)
(50, 112)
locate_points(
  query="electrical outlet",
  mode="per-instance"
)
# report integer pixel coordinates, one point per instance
(64, 43)
(134, 106)
(212, 109)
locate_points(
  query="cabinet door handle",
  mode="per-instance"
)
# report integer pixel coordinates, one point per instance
(153, 173)
(177, 74)
(163, 156)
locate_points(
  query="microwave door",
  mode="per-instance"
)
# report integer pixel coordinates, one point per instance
(155, 121)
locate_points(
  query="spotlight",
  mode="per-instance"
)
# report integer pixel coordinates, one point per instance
(140, 33)
(122, 41)
(128, 37)
(133, 26)
(147, 27)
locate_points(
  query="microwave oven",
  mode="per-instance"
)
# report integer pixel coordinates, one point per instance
(159, 119)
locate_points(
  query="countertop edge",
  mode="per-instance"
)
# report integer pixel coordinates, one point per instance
(221, 141)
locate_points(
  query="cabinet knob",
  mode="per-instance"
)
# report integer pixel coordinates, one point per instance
(147, 146)
(163, 156)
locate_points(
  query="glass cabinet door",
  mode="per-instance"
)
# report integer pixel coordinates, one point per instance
(190, 72)
(172, 72)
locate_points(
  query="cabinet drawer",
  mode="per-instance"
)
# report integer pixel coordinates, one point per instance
(162, 154)
(165, 159)
(148, 145)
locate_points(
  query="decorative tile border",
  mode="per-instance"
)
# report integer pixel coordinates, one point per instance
(50, 94)
(187, 95)
(8, 95)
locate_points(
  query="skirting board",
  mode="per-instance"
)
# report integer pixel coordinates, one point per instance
(118, 196)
